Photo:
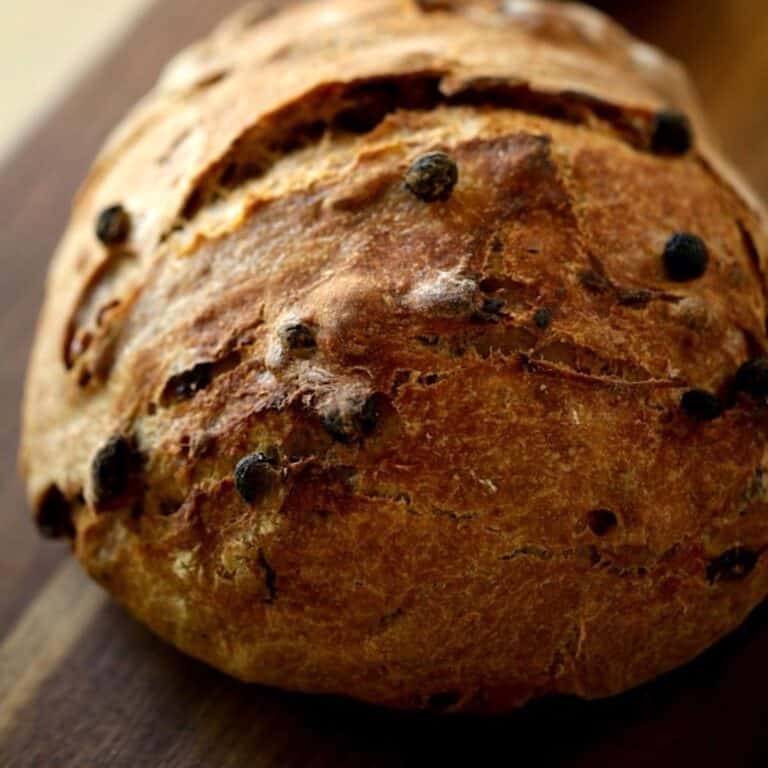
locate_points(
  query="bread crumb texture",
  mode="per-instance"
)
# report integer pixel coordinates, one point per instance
(366, 360)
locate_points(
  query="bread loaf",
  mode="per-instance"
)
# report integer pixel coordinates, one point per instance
(413, 351)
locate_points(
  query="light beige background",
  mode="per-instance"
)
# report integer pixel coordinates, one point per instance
(44, 46)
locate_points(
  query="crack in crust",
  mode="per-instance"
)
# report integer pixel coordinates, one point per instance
(552, 355)
(360, 106)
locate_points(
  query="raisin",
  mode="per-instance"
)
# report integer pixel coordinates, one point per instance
(733, 565)
(489, 310)
(601, 521)
(492, 306)
(112, 469)
(432, 177)
(685, 257)
(254, 475)
(299, 336)
(185, 385)
(542, 318)
(701, 405)
(54, 516)
(752, 377)
(113, 225)
(672, 133)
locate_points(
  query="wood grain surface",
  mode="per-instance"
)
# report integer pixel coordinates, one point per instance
(82, 685)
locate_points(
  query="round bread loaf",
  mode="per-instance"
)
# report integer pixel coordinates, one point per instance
(413, 351)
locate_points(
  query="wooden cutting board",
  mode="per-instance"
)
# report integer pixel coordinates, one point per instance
(82, 685)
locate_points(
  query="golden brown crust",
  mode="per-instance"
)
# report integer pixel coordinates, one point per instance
(478, 485)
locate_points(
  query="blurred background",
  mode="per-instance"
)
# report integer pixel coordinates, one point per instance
(45, 45)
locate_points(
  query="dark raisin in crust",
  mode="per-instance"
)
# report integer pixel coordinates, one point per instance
(701, 405)
(492, 306)
(601, 521)
(187, 384)
(489, 311)
(254, 475)
(112, 469)
(432, 177)
(685, 257)
(299, 336)
(113, 225)
(54, 515)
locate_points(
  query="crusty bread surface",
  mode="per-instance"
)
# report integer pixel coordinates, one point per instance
(363, 369)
